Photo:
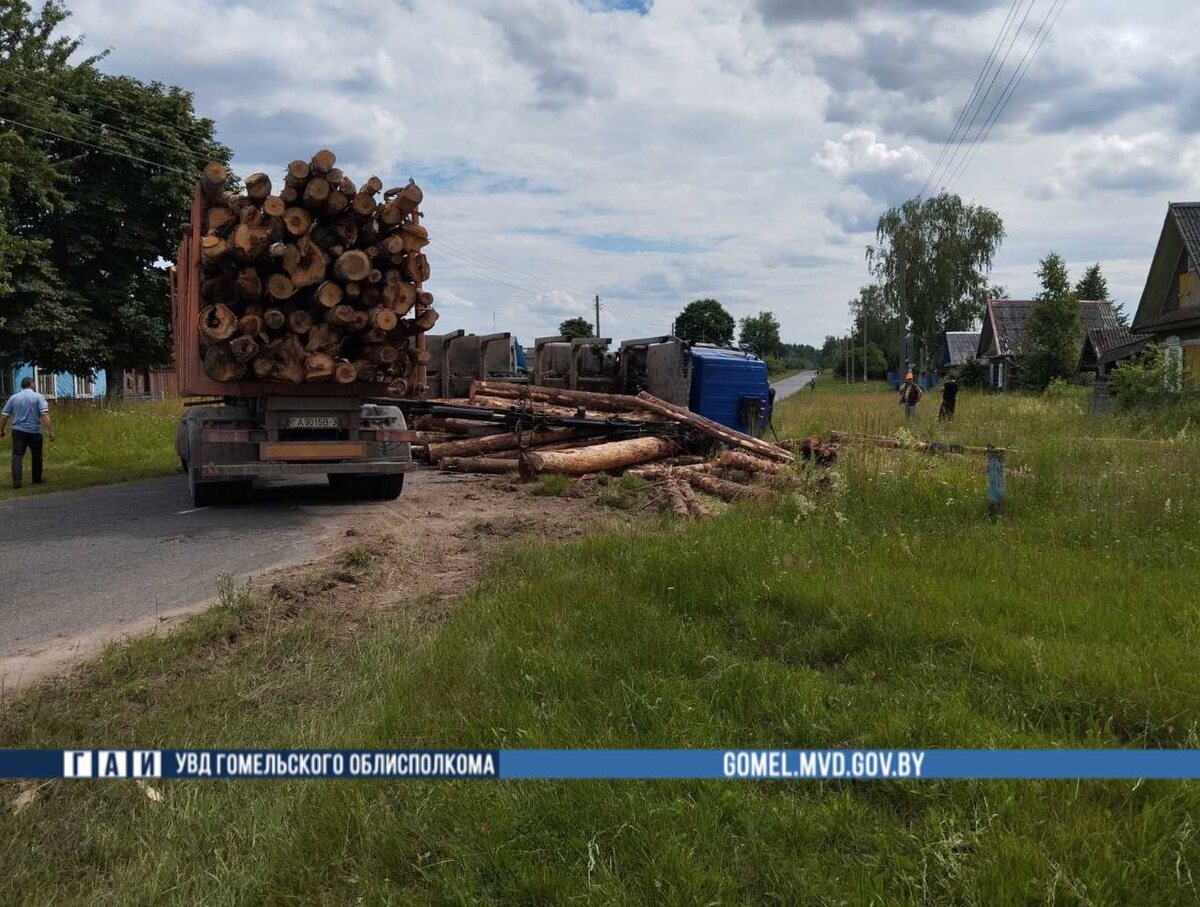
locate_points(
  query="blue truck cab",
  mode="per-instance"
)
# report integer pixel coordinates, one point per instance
(730, 387)
(725, 385)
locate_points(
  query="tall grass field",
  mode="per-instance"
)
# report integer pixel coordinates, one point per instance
(877, 605)
(97, 445)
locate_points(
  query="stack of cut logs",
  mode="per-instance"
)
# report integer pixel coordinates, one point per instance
(678, 450)
(312, 282)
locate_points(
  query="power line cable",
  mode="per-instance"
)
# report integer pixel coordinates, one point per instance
(1014, 82)
(66, 138)
(1012, 40)
(119, 131)
(962, 113)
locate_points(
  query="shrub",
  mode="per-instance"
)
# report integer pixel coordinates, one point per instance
(1149, 380)
(973, 373)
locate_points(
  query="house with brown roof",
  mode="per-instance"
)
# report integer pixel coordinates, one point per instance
(1004, 332)
(1170, 307)
(958, 347)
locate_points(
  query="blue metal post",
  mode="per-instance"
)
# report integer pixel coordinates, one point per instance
(995, 471)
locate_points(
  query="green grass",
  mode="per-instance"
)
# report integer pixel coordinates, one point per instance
(882, 608)
(99, 445)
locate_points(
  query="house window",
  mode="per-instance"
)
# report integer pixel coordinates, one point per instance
(84, 387)
(44, 381)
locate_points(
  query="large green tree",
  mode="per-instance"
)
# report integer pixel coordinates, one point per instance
(1054, 331)
(931, 260)
(121, 158)
(576, 327)
(705, 321)
(761, 333)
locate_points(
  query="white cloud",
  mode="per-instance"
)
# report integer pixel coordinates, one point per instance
(728, 148)
(1140, 164)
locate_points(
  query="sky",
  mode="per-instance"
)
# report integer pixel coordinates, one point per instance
(659, 151)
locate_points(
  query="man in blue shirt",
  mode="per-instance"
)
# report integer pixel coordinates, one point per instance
(29, 411)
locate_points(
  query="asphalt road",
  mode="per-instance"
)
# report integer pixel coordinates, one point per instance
(78, 561)
(795, 383)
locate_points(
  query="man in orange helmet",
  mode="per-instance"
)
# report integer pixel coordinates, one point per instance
(910, 395)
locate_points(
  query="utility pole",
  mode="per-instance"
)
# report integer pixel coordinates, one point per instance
(864, 332)
(848, 345)
(597, 314)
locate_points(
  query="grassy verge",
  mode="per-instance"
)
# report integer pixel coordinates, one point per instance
(100, 445)
(882, 609)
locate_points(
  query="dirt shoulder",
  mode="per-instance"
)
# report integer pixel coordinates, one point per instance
(431, 545)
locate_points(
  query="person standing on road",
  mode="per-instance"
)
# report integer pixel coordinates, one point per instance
(910, 395)
(949, 399)
(29, 411)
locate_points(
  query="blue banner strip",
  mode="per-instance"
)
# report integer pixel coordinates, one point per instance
(858, 764)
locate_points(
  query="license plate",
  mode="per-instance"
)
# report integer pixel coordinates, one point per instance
(313, 422)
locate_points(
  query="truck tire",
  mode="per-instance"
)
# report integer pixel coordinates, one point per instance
(212, 494)
(352, 487)
(388, 488)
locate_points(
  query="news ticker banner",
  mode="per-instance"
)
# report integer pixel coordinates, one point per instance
(582, 764)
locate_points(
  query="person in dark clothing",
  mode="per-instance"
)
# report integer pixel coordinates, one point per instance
(949, 399)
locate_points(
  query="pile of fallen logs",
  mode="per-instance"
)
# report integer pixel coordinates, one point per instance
(318, 279)
(582, 434)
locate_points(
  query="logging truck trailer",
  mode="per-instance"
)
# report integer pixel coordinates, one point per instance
(243, 430)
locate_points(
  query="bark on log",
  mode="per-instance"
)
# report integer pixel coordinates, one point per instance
(218, 220)
(305, 263)
(425, 320)
(213, 250)
(212, 180)
(733, 459)
(221, 365)
(676, 498)
(604, 403)
(323, 161)
(316, 193)
(481, 465)
(297, 172)
(713, 429)
(218, 323)
(329, 294)
(250, 242)
(258, 187)
(600, 458)
(496, 443)
(726, 491)
(318, 367)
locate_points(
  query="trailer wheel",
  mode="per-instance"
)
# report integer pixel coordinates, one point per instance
(388, 488)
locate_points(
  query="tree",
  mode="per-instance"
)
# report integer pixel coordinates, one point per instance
(95, 293)
(761, 333)
(576, 327)
(931, 259)
(1054, 330)
(705, 321)
(1093, 285)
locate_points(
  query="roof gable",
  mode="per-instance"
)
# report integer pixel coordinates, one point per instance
(1004, 323)
(1180, 234)
(959, 346)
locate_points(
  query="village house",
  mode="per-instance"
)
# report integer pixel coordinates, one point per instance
(1169, 310)
(51, 385)
(1004, 332)
(958, 347)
